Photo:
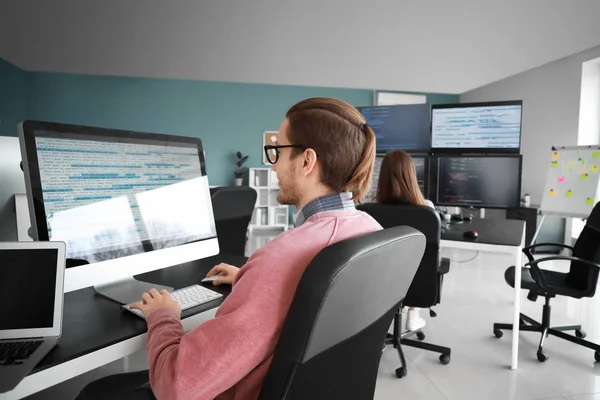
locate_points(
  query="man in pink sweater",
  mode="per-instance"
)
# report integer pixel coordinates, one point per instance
(324, 162)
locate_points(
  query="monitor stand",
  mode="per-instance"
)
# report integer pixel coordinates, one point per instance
(127, 290)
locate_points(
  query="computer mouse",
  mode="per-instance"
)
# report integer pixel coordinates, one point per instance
(470, 234)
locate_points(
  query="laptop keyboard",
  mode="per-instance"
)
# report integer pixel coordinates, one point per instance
(13, 353)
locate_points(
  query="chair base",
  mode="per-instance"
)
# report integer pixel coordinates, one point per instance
(528, 324)
(398, 339)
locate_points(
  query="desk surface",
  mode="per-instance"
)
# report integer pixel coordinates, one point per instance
(503, 232)
(92, 322)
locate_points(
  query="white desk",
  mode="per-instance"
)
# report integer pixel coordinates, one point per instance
(517, 252)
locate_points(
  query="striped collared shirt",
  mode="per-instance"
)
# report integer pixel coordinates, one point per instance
(330, 202)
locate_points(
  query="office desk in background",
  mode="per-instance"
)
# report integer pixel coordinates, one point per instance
(495, 236)
(96, 331)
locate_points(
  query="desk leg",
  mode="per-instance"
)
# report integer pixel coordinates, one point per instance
(517, 309)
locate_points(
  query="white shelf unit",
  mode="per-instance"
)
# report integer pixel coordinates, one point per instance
(268, 214)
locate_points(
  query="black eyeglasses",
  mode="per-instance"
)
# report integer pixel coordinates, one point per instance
(272, 152)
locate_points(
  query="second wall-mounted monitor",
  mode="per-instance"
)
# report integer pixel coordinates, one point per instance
(477, 181)
(400, 127)
(477, 127)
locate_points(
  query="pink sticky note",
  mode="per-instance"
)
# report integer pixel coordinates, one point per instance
(561, 179)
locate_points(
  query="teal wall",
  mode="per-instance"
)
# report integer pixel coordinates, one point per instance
(227, 116)
(12, 98)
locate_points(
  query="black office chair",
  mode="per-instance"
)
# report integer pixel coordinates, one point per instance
(330, 344)
(579, 282)
(426, 289)
(233, 207)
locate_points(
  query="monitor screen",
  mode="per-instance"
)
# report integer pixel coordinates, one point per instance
(110, 194)
(477, 126)
(400, 127)
(483, 182)
(28, 277)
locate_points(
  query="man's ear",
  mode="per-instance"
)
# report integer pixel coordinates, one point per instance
(309, 161)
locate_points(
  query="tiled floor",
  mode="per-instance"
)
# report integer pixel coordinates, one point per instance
(474, 297)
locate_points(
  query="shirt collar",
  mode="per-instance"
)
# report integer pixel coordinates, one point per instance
(330, 202)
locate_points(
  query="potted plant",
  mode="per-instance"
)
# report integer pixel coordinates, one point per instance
(238, 173)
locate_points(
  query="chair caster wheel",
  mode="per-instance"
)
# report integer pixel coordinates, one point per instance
(597, 356)
(445, 359)
(542, 357)
(580, 334)
(400, 372)
(420, 335)
(498, 333)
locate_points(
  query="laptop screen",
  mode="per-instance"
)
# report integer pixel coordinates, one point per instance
(28, 285)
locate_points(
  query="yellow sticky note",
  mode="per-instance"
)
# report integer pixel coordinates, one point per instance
(554, 163)
(572, 163)
(552, 192)
(569, 193)
(583, 177)
(594, 168)
(568, 169)
(589, 201)
(596, 154)
(555, 154)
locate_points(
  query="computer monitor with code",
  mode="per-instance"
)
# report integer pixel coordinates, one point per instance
(124, 202)
(477, 127)
(478, 181)
(400, 127)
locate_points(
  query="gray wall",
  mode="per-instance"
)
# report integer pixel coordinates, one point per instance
(551, 97)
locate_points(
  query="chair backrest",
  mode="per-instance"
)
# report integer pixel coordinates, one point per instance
(330, 344)
(232, 207)
(582, 277)
(424, 290)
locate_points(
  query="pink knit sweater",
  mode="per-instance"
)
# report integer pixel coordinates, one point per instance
(227, 358)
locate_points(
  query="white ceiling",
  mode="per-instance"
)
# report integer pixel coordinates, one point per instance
(446, 46)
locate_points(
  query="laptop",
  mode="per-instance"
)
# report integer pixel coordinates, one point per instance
(31, 297)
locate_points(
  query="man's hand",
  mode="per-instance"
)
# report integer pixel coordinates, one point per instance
(154, 300)
(226, 271)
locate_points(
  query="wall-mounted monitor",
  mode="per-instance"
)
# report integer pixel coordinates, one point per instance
(477, 181)
(477, 127)
(400, 127)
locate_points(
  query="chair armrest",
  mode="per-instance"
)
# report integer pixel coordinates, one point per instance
(527, 249)
(444, 267)
(538, 275)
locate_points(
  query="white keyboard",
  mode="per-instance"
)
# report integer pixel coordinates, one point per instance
(188, 297)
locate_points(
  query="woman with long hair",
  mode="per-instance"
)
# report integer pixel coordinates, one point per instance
(398, 184)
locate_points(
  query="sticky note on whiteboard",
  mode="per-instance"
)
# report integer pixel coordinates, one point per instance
(552, 192)
(555, 154)
(596, 154)
(589, 201)
(584, 177)
(594, 168)
(561, 179)
(554, 163)
(569, 193)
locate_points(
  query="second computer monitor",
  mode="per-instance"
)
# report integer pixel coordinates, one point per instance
(400, 127)
(478, 181)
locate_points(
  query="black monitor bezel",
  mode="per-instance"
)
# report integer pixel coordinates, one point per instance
(462, 150)
(33, 183)
(435, 176)
(383, 152)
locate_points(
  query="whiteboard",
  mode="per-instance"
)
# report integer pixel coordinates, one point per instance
(571, 188)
